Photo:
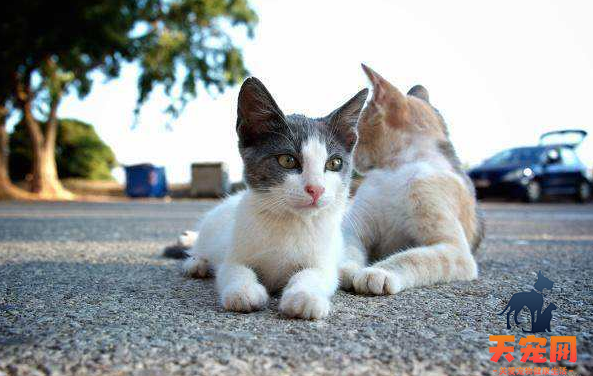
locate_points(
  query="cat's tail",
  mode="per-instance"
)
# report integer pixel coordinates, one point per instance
(184, 243)
(505, 308)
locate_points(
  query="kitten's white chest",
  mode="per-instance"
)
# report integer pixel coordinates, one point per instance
(278, 248)
(274, 275)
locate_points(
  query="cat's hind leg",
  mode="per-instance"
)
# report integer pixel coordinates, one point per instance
(420, 266)
(213, 242)
(436, 223)
(197, 266)
(196, 263)
(206, 254)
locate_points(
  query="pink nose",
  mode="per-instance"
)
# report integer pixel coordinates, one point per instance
(314, 191)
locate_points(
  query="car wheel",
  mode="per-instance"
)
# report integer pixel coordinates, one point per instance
(533, 192)
(583, 192)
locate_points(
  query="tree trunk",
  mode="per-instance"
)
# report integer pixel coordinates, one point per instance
(45, 182)
(7, 189)
(45, 172)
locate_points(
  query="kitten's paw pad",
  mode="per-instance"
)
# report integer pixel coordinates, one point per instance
(245, 299)
(347, 274)
(304, 305)
(376, 281)
(196, 267)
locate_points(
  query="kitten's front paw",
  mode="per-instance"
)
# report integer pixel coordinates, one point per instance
(347, 273)
(304, 305)
(196, 267)
(376, 281)
(245, 298)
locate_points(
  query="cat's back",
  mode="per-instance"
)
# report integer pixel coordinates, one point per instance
(391, 185)
(387, 195)
(225, 211)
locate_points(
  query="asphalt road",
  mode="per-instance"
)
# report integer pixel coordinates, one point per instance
(84, 291)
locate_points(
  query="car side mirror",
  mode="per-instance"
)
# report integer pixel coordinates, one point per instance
(552, 157)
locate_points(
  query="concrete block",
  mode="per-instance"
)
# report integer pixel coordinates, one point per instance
(210, 179)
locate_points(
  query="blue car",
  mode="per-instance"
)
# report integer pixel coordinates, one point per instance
(530, 173)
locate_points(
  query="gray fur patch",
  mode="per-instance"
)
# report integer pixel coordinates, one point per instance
(261, 167)
(265, 133)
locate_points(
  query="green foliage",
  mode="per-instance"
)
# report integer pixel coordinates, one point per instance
(183, 42)
(80, 153)
(192, 35)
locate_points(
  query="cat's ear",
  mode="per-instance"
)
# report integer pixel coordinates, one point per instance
(420, 92)
(345, 118)
(257, 112)
(383, 92)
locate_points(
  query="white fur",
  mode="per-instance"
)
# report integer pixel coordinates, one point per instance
(258, 243)
(187, 239)
(381, 225)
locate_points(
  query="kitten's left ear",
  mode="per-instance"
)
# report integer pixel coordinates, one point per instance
(345, 118)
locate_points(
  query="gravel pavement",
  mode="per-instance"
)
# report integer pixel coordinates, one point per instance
(84, 291)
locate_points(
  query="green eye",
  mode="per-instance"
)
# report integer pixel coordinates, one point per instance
(287, 161)
(334, 164)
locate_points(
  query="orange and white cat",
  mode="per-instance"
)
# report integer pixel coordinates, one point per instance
(414, 217)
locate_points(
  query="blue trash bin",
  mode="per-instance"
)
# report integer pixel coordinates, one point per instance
(145, 180)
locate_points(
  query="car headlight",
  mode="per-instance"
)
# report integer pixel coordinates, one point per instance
(518, 174)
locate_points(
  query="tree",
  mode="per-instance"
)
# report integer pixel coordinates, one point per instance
(7, 189)
(80, 153)
(51, 47)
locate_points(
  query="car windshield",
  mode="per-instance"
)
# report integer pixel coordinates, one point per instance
(515, 157)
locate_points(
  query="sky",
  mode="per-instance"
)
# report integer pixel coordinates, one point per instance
(501, 73)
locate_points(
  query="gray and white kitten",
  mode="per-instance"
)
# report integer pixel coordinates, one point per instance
(284, 231)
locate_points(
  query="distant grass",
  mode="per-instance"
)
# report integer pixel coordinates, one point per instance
(108, 188)
(94, 187)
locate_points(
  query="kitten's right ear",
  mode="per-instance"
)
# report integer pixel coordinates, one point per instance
(383, 91)
(420, 92)
(257, 112)
(345, 118)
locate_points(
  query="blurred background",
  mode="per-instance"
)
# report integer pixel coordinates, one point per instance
(90, 87)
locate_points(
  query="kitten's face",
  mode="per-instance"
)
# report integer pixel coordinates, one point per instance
(296, 163)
